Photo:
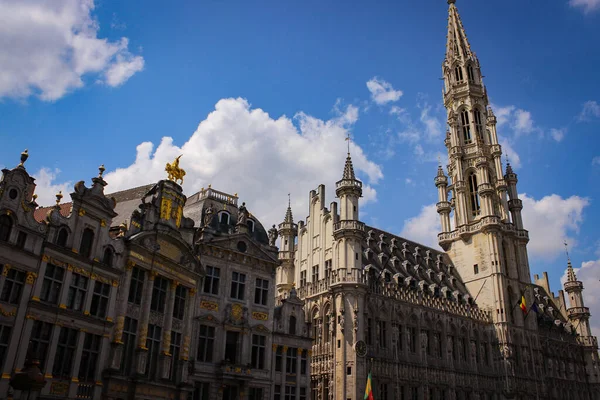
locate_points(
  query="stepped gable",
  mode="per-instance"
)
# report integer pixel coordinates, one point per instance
(127, 202)
(414, 266)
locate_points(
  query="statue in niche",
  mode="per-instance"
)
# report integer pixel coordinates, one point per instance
(208, 215)
(242, 214)
(273, 236)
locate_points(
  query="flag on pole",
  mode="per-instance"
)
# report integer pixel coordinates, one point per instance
(535, 308)
(522, 304)
(369, 389)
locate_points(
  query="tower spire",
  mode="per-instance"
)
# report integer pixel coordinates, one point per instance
(571, 277)
(457, 44)
(289, 218)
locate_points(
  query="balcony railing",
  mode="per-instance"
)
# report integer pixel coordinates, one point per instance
(349, 225)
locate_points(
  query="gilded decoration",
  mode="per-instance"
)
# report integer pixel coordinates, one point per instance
(30, 278)
(209, 305)
(6, 269)
(236, 312)
(169, 250)
(165, 208)
(174, 172)
(5, 313)
(259, 316)
(81, 212)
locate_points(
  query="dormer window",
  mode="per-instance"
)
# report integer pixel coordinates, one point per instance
(107, 259)
(466, 127)
(87, 241)
(6, 225)
(61, 238)
(292, 327)
(224, 218)
(250, 224)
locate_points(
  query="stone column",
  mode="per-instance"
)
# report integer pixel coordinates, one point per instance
(298, 374)
(76, 364)
(121, 297)
(104, 346)
(64, 289)
(51, 352)
(166, 356)
(3, 276)
(184, 353)
(142, 350)
(87, 304)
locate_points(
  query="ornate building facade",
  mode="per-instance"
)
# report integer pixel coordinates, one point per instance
(465, 323)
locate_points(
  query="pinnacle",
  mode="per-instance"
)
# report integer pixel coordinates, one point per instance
(289, 218)
(348, 170)
(571, 277)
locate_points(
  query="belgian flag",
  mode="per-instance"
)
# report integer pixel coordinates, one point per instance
(369, 389)
(522, 304)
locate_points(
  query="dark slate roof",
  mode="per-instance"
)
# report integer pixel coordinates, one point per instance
(408, 261)
(127, 202)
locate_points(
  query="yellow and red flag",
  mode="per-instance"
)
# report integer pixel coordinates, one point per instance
(369, 389)
(522, 304)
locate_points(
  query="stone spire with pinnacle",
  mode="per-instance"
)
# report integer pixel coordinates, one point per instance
(348, 189)
(288, 231)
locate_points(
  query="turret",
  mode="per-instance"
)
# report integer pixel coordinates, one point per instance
(578, 313)
(348, 190)
(288, 231)
(514, 204)
(443, 205)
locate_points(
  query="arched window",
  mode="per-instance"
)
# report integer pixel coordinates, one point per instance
(478, 123)
(5, 227)
(489, 136)
(474, 194)
(470, 73)
(61, 238)
(326, 324)
(87, 240)
(224, 218)
(250, 224)
(107, 259)
(466, 127)
(292, 327)
(458, 74)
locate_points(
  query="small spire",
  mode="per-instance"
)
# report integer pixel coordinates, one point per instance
(289, 218)
(101, 170)
(451, 1)
(348, 139)
(24, 157)
(59, 197)
(348, 169)
(457, 45)
(571, 277)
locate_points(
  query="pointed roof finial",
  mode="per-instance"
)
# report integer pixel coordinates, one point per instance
(571, 277)
(451, 1)
(101, 170)
(348, 139)
(59, 197)
(289, 218)
(24, 157)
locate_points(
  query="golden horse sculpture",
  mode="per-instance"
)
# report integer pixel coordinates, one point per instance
(174, 172)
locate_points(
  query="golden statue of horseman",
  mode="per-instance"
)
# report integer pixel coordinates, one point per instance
(174, 172)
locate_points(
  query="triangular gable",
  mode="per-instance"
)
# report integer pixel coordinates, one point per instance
(230, 242)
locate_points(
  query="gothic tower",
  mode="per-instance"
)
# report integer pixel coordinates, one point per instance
(482, 229)
(288, 231)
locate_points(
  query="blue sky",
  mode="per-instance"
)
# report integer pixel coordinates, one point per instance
(275, 86)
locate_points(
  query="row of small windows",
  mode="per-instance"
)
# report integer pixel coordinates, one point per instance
(466, 125)
(225, 218)
(458, 73)
(238, 285)
(6, 225)
(159, 293)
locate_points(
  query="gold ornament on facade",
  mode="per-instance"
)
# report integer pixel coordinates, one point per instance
(174, 172)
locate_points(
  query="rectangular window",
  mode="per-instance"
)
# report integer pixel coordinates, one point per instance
(211, 280)
(89, 358)
(40, 340)
(153, 345)
(201, 392)
(4, 342)
(179, 305)
(277, 391)
(463, 349)
(175, 351)
(258, 351)
(369, 331)
(328, 264)
(129, 342)
(303, 362)
(425, 336)
(315, 273)
(159, 294)
(77, 291)
(381, 327)
(255, 394)
(437, 344)
(261, 292)
(412, 339)
(136, 286)
(400, 338)
(302, 278)
(100, 299)
(65, 353)
(53, 279)
(238, 284)
(302, 393)
(383, 391)
(290, 360)
(278, 358)
(231, 346)
(206, 342)
(290, 392)
(21, 239)
(13, 286)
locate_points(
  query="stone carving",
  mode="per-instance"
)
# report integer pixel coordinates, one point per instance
(242, 214)
(208, 215)
(175, 173)
(272, 236)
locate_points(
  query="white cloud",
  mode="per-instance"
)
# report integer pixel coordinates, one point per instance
(47, 188)
(586, 5)
(423, 228)
(588, 274)
(550, 221)
(240, 149)
(523, 123)
(503, 114)
(433, 126)
(54, 45)
(382, 92)
(596, 160)
(558, 134)
(510, 153)
(591, 109)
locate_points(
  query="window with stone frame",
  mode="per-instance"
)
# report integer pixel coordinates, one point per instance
(255, 394)
(302, 278)
(89, 358)
(437, 344)
(292, 325)
(381, 330)
(474, 194)
(261, 292)
(62, 236)
(39, 341)
(258, 351)
(21, 240)
(202, 391)
(175, 350)
(278, 358)
(53, 280)
(224, 218)
(478, 123)
(87, 242)
(470, 73)
(411, 338)
(238, 285)
(159, 294)
(303, 393)
(400, 342)
(77, 292)
(136, 286)
(211, 280)
(153, 345)
(369, 338)
(458, 74)
(6, 225)
(13, 286)
(107, 258)
(179, 304)
(465, 126)
(315, 273)
(5, 332)
(328, 266)
(290, 392)
(485, 354)
(277, 392)
(383, 391)
(100, 299)
(291, 358)
(303, 362)
(65, 353)
(206, 343)
(129, 343)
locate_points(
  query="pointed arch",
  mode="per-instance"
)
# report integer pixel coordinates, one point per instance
(465, 125)
(6, 225)
(62, 236)
(87, 241)
(108, 256)
(470, 73)
(474, 199)
(478, 120)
